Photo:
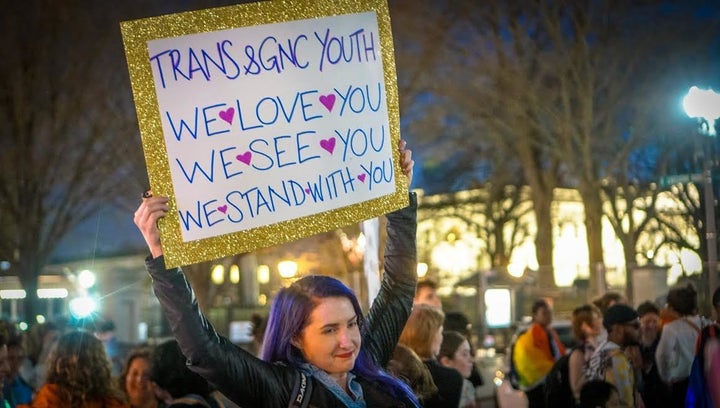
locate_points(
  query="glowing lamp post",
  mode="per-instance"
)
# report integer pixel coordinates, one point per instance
(705, 105)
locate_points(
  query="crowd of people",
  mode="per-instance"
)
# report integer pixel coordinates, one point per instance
(649, 356)
(59, 365)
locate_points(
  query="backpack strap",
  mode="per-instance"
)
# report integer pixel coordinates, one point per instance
(300, 397)
(711, 333)
(691, 324)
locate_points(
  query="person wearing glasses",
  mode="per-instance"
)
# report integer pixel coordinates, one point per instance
(609, 363)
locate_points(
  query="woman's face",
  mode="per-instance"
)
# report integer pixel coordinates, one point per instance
(649, 325)
(597, 326)
(331, 340)
(137, 382)
(436, 342)
(462, 360)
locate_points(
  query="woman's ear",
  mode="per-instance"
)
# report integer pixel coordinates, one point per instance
(444, 360)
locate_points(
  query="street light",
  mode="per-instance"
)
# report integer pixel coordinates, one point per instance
(86, 279)
(705, 105)
(287, 269)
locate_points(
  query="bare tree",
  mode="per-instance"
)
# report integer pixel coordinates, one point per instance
(498, 89)
(68, 139)
(563, 84)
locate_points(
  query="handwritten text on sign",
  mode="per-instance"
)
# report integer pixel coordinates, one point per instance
(269, 123)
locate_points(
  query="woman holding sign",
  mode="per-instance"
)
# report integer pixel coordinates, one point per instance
(319, 349)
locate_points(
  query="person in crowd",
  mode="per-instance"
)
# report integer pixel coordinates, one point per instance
(40, 340)
(676, 347)
(667, 315)
(423, 333)
(632, 351)
(259, 324)
(78, 375)
(176, 385)
(711, 353)
(586, 326)
(609, 363)
(535, 352)
(317, 335)
(457, 321)
(115, 349)
(16, 391)
(426, 293)
(704, 381)
(4, 365)
(455, 353)
(608, 299)
(652, 389)
(599, 394)
(406, 365)
(135, 379)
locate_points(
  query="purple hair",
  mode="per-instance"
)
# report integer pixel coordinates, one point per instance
(289, 315)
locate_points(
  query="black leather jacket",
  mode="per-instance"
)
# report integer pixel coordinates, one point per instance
(251, 382)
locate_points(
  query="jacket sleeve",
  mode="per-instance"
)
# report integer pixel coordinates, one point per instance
(391, 308)
(242, 377)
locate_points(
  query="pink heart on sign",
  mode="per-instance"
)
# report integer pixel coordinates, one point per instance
(328, 144)
(307, 191)
(222, 208)
(361, 177)
(328, 101)
(227, 115)
(245, 157)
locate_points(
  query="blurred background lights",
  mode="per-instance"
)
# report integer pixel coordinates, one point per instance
(234, 274)
(263, 273)
(82, 307)
(86, 279)
(422, 269)
(217, 274)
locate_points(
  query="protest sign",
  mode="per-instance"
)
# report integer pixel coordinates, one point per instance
(266, 122)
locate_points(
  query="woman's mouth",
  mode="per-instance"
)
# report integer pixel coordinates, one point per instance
(345, 355)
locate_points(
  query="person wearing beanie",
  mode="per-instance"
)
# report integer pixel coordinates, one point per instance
(609, 363)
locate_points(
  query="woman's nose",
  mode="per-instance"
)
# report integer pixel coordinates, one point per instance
(344, 338)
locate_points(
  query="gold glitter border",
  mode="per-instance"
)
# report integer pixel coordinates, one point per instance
(137, 33)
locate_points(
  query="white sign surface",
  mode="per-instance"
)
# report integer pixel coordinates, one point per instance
(270, 123)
